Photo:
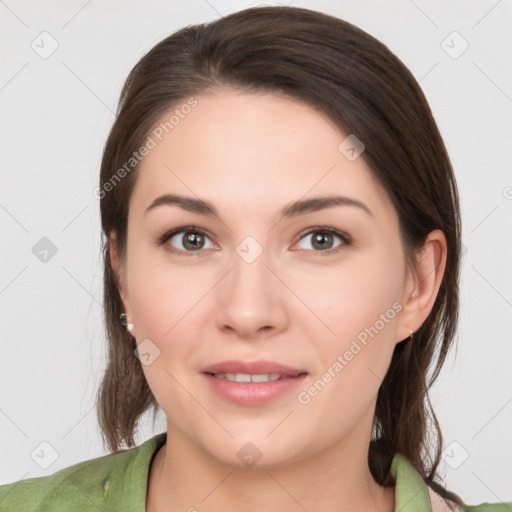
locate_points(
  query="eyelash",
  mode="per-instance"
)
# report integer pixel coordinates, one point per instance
(345, 238)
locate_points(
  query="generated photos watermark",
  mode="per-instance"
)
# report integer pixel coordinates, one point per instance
(361, 340)
(156, 136)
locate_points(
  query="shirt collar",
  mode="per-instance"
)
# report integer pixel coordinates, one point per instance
(411, 492)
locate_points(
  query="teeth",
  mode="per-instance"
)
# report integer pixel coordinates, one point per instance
(245, 377)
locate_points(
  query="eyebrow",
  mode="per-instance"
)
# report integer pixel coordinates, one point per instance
(293, 209)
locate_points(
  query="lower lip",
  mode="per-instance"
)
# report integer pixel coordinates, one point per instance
(253, 393)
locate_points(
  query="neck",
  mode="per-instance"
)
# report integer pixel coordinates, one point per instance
(185, 478)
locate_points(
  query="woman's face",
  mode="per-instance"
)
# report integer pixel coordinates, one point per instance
(252, 285)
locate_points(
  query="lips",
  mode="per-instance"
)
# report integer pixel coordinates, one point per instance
(253, 383)
(253, 368)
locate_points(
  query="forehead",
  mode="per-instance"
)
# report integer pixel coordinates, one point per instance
(252, 151)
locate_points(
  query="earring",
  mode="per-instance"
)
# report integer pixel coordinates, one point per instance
(410, 336)
(124, 321)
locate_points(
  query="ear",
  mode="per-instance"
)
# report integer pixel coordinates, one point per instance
(119, 270)
(422, 284)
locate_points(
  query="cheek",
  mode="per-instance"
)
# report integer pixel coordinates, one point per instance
(166, 301)
(360, 306)
(162, 295)
(353, 296)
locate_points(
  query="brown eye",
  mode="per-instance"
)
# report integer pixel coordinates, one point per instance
(324, 240)
(193, 241)
(186, 241)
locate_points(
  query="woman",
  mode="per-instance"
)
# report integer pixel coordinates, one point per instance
(281, 261)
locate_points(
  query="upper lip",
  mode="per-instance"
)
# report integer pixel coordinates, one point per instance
(253, 368)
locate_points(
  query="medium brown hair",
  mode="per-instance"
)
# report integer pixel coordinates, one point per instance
(361, 86)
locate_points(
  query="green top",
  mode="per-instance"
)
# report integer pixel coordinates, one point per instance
(117, 482)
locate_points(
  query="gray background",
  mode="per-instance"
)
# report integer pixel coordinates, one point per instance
(56, 113)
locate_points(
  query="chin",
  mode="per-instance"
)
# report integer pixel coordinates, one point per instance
(259, 453)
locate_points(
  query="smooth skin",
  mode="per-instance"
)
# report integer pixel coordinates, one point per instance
(250, 155)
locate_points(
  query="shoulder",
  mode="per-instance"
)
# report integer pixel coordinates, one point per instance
(82, 487)
(440, 504)
(412, 492)
(490, 507)
(74, 485)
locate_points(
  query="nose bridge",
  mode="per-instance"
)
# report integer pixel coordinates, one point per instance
(249, 275)
(249, 299)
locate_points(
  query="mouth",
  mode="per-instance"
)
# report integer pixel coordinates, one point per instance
(246, 370)
(258, 377)
(252, 383)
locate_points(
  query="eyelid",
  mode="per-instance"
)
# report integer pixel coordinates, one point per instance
(345, 237)
(183, 229)
(327, 229)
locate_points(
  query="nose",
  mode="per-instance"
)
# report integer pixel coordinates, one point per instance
(251, 299)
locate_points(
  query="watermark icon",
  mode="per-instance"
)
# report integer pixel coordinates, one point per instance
(157, 135)
(351, 147)
(249, 454)
(454, 45)
(507, 193)
(44, 250)
(147, 352)
(44, 455)
(455, 455)
(305, 397)
(249, 249)
(44, 45)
